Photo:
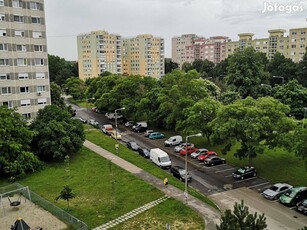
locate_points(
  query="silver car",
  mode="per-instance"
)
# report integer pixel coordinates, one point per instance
(198, 152)
(276, 191)
(179, 147)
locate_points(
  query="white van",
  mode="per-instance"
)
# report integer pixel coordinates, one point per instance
(172, 141)
(160, 158)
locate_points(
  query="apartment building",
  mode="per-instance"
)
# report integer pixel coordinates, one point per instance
(143, 55)
(24, 75)
(190, 47)
(98, 52)
(291, 46)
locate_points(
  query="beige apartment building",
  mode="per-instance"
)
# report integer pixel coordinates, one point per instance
(190, 47)
(291, 46)
(98, 52)
(143, 55)
(24, 76)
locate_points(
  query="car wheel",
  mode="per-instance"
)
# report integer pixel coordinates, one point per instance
(255, 174)
(212, 164)
(223, 162)
(242, 177)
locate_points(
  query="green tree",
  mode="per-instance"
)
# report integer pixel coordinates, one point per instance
(16, 159)
(76, 88)
(294, 95)
(204, 67)
(283, 67)
(66, 194)
(186, 67)
(229, 97)
(299, 143)
(57, 135)
(56, 95)
(220, 70)
(256, 124)
(59, 69)
(246, 72)
(169, 65)
(241, 219)
(301, 74)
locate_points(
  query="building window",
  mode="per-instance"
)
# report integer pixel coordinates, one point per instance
(302, 39)
(24, 89)
(24, 103)
(42, 101)
(1, 2)
(18, 18)
(36, 20)
(27, 115)
(293, 46)
(303, 32)
(19, 33)
(8, 104)
(37, 34)
(21, 48)
(293, 40)
(40, 88)
(293, 33)
(2, 33)
(39, 61)
(21, 61)
(6, 90)
(4, 62)
(2, 17)
(3, 47)
(34, 5)
(38, 48)
(16, 3)
(40, 75)
(4, 77)
(302, 46)
(23, 76)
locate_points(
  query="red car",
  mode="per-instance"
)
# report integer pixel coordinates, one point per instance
(203, 156)
(190, 150)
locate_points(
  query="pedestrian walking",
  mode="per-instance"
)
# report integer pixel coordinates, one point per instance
(165, 181)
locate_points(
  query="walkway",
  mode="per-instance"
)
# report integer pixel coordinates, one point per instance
(210, 215)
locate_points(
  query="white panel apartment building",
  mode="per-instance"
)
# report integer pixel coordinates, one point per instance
(24, 76)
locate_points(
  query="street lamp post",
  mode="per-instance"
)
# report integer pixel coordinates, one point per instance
(305, 109)
(282, 78)
(116, 147)
(186, 166)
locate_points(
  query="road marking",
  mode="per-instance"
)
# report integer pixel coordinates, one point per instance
(229, 176)
(203, 182)
(238, 181)
(224, 170)
(258, 185)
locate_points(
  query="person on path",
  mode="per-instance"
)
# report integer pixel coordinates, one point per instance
(165, 181)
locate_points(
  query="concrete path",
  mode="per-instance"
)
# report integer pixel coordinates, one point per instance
(210, 215)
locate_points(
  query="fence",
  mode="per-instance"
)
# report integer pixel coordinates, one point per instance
(72, 221)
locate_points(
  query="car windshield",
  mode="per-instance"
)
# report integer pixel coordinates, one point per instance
(290, 193)
(274, 188)
(133, 144)
(182, 171)
(165, 159)
(241, 170)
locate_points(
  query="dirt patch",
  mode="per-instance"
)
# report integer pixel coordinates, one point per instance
(32, 214)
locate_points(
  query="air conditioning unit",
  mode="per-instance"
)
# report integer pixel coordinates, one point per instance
(39, 93)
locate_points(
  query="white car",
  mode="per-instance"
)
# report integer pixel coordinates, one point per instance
(276, 191)
(93, 123)
(179, 147)
(198, 152)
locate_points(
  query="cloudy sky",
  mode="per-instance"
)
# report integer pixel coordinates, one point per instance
(65, 19)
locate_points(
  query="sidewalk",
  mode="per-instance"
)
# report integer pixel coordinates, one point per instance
(210, 215)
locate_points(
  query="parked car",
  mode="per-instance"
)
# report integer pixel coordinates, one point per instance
(129, 123)
(156, 135)
(198, 152)
(82, 120)
(116, 135)
(107, 129)
(190, 150)
(180, 173)
(95, 110)
(147, 132)
(172, 141)
(214, 160)
(93, 123)
(302, 206)
(143, 152)
(179, 147)
(132, 145)
(205, 155)
(293, 196)
(140, 127)
(244, 172)
(276, 191)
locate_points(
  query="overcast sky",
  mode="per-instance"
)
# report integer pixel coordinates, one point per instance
(65, 19)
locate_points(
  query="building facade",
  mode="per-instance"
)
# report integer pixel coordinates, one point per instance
(190, 47)
(99, 52)
(291, 46)
(143, 55)
(24, 74)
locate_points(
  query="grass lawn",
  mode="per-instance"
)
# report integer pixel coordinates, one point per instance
(276, 165)
(98, 202)
(108, 143)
